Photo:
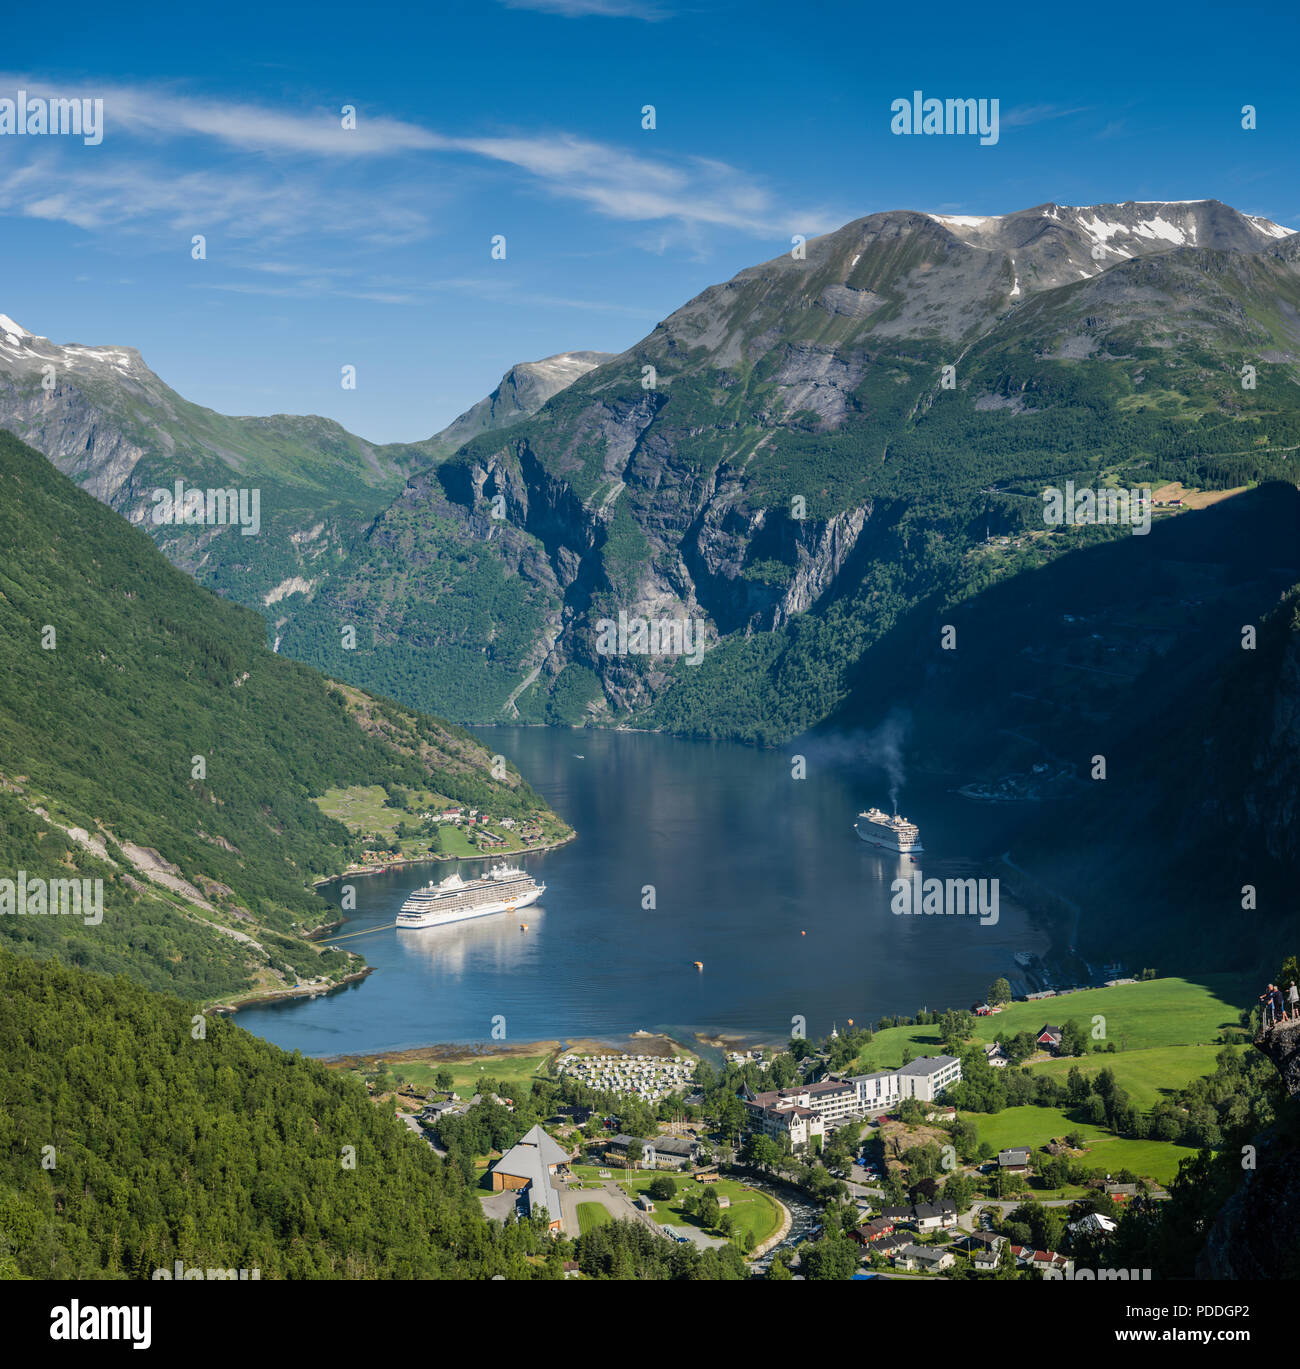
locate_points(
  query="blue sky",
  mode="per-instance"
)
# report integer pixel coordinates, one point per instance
(372, 247)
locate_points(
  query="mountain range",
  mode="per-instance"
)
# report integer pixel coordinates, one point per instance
(794, 459)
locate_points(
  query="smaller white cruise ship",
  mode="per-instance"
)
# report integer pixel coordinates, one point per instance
(894, 834)
(502, 890)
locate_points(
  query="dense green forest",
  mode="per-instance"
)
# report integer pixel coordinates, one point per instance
(141, 709)
(215, 1149)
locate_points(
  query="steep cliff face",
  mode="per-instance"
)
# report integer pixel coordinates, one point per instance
(1282, 1046)
(1256, 1234)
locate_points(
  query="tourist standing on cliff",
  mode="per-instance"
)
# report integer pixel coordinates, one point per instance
(1294, 998)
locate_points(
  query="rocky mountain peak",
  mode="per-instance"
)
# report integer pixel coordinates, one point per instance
(524, 388)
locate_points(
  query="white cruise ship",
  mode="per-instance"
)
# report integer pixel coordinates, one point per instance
(502, 890)
(894, 834)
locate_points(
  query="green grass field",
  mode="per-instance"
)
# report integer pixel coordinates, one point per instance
(452, 841)
(751, 1209)
(1160, 1012)
(1032, 1126)
(506, 1069)
(364, 810)
(591, 1215)
(1146, 1075)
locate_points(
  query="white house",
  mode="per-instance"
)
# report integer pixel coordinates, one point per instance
(938, 1216)
(925, 1258)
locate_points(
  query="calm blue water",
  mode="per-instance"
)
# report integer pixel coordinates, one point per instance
(756, 874)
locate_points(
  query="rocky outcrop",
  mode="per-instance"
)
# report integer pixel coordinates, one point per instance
(1282, 1046)
(1256, 1234)
(823, 552)
(522, 391)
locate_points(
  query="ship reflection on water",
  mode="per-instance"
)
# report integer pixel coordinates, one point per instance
(499, 942)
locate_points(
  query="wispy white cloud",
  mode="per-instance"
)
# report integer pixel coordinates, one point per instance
(136, 195)
(290, 187)
(313, 281)
(1037, 114)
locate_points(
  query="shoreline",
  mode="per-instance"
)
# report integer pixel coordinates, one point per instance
(388, 867)
(258, 999)
(468, 1052)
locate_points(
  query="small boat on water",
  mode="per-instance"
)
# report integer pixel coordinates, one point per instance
(699, 964)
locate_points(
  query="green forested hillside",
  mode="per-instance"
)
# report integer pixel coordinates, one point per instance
(221, 1152)
(146, 714)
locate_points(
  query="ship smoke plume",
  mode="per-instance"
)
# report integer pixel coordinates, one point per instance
(883, 746)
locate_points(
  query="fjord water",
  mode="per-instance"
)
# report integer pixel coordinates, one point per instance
(758, 875)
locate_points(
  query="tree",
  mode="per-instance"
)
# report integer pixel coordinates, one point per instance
(709, 1211)
(999, 993)
(1076, 1086)
(1056, 1172)
(1074, 1040)
(1008, 1184)
(831, 1258)
(781, 1071)
(960, 1191)
(662, 1188)
(444, 1081)
(764, 1151)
